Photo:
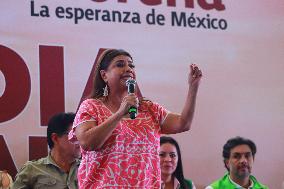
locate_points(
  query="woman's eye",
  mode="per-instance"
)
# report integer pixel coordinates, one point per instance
(120, 64)
(172, 155)
(132, 66)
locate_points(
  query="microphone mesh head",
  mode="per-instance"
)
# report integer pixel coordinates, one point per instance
(130, 81)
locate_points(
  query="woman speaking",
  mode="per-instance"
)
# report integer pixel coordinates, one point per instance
(117, 151)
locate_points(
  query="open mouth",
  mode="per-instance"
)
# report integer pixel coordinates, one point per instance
(127, 76)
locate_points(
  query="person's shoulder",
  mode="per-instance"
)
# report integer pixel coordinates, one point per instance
(91, 101)
(219, 183)
(257, 184)
(94, 102)
(188, 182)
(35, 162)
(146, 103)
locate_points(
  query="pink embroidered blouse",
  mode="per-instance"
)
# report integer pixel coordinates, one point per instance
(130, 156)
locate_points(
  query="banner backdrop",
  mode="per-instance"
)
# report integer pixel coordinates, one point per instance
(48, 49)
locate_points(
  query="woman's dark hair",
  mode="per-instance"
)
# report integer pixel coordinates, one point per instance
(178, 173)
(102, 64)
(236, 141)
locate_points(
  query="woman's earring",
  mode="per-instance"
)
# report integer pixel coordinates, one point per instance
(105, 91)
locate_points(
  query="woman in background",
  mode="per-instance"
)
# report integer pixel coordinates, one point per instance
(171, 165)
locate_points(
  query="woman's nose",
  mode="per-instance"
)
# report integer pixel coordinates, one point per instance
(168, 158)
(129, 69)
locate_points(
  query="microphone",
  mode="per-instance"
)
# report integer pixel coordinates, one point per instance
(130, 83)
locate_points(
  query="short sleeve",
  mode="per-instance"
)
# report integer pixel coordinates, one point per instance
(158, 111)
(86, 112)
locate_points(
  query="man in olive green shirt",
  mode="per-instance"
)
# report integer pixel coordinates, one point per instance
(59, 169)
(238, 154)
